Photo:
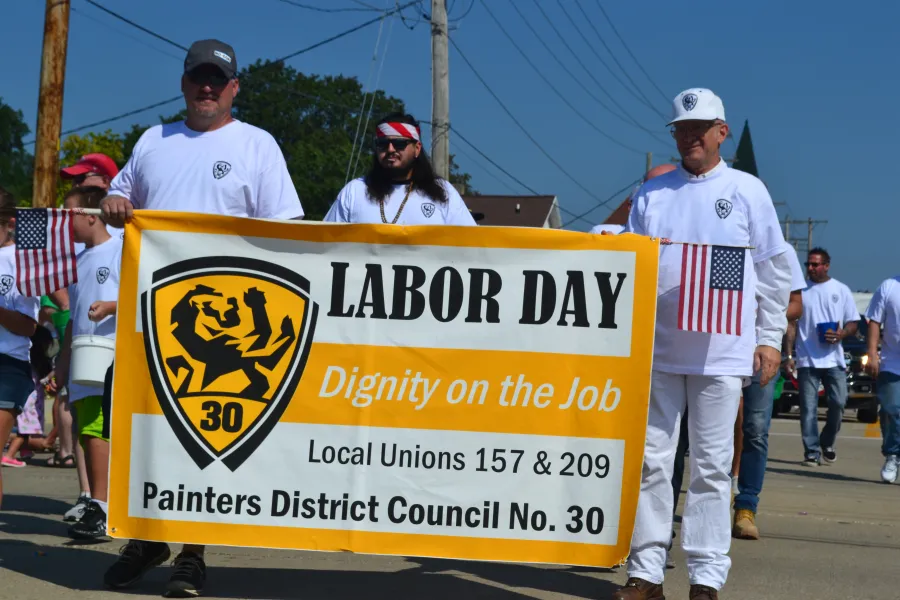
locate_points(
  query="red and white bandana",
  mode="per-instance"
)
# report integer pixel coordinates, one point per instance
(403, 130)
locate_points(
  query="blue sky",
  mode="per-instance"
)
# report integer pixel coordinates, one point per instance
(817, 81)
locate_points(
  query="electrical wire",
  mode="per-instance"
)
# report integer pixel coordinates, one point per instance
(581, 63)
(630, 53)
(135, 25)
(362, 109)
(329, 10)
(552, 87)
(280, 60)
(602, 204)
(640, 94)
(133, 38)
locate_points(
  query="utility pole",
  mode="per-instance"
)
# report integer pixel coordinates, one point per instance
(649, 162)
(440, 90)
(50, 103)
(810, 225)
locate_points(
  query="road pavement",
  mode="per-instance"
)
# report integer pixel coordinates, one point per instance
(828, 533)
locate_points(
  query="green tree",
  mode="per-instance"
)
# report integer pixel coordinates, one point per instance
(16, 163)
(461, 179)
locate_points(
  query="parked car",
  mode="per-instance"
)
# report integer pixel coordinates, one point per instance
(861, 392)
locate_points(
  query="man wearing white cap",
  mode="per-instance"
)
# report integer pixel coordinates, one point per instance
(722, 295)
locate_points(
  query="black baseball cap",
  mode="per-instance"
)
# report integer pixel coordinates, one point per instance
(211, 52)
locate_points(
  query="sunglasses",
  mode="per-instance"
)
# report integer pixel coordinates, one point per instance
(399, 144)
(210, 78)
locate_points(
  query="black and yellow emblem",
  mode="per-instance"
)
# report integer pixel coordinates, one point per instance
(227, 340)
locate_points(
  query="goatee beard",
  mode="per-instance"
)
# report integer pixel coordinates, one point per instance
(397, 173)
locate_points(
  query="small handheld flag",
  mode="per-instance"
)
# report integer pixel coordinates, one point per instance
(712, 289)
(45, 250)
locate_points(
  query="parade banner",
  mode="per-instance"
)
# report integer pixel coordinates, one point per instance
(459, 392)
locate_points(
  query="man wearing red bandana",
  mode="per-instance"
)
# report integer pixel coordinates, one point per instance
(401, 187)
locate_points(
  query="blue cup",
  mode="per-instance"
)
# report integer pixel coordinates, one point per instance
(824, 327)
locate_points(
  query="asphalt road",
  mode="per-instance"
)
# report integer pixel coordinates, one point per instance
(828, 533)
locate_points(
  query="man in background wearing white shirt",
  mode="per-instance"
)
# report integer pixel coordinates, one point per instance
(884, 323)
(700, 366)
(210, 163)
(829, 316)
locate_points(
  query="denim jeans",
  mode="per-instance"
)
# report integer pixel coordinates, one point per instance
(889, 397)
(835, 381)
(758, 402)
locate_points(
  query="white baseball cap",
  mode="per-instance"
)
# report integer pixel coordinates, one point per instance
(697, 104)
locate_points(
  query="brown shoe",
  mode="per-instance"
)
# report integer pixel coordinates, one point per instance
(744, 527)
(639, 589)
(703, 592)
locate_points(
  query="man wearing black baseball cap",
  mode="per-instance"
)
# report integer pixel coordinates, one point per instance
(209, 163)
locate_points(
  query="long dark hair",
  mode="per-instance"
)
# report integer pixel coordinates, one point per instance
(41, 341)
(380, 182)
(7, 206)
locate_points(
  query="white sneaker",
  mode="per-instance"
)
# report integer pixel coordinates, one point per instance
(889, 470)
(76, 512)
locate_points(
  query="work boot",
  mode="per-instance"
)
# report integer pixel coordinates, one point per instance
(744, 527)
(639, 589)
(703, 592)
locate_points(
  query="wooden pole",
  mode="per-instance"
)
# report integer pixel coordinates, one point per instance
(440, 90)
(50, 103)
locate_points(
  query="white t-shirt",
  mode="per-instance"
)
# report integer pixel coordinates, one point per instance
(98, 279)
(237, 170)
(16, 346)
(831, 301)
(353, 205)
(884, 308)
(616, 229)
(798, 277)
(722, 207)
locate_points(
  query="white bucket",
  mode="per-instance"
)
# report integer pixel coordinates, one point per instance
(91, 357)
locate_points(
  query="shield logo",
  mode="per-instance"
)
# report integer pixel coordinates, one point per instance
(102, 275)
(226, 340)
(723, 208)
(428, 209)
(689, 102)
(6, 284)
(834, 298)
(221, 169)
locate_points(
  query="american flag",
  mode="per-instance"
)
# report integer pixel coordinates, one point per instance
(712, 289)
(45, 250)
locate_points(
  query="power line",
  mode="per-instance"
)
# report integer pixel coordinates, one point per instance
(630, 53)
(134, 38)
(553, 87)
(639, 96)
(133, 24)
(280, 60)
(520, 126)
(330, 10)
(581, 63)
(613, 56)
(579, 82)
(601, 204)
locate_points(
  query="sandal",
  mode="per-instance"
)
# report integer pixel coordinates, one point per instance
(61, 463)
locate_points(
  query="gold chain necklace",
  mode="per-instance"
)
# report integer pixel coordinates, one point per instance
(399, 210)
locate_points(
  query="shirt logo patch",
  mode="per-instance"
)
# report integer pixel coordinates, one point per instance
(428, 209)
(221, 169)
(6, 284)
(689, 102)
(102, 275)
(723, 208)
(834, 298)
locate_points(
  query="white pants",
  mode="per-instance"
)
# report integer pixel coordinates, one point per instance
(706, 525)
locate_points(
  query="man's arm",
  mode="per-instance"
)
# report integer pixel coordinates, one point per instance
(17, 323)
(795, 306)
(873, 365)
(773, 290)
